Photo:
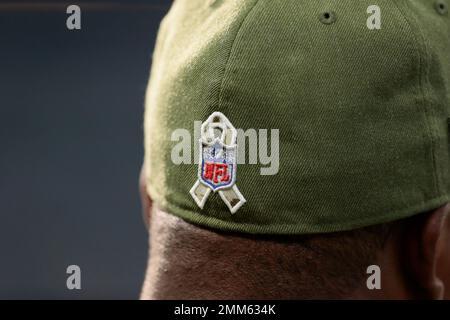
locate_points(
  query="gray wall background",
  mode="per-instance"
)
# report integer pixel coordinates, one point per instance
(71, 105)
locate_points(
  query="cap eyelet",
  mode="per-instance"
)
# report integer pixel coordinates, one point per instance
(327, 17)
(441, 7)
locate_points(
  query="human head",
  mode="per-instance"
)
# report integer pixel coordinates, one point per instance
(359, 111)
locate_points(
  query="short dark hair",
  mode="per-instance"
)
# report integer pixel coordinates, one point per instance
(334, 264)
(328, 265)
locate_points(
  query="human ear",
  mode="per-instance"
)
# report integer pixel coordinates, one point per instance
(425, 237)
(443, 264)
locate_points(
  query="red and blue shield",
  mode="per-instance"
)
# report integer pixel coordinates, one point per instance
(218, 165)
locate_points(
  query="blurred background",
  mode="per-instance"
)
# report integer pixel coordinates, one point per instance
(71, 112)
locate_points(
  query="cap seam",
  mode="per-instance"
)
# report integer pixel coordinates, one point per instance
(227, 63)
(422, 74)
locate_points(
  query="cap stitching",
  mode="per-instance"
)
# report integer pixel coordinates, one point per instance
(423, 72)
(219, 103)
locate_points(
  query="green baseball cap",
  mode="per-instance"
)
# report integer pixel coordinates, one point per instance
(357, 92)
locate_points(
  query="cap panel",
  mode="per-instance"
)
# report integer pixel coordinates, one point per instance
(192, 50)
(433, 28)
(354, 140)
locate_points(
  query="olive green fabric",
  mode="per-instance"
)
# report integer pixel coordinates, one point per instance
(362, 113)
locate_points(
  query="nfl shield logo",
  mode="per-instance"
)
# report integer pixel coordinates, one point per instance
(217, 168)
(218, 164)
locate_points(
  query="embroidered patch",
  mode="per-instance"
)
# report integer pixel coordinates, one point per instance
(218, 163)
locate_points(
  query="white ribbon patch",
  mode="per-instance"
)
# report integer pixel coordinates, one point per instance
(218, 162)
